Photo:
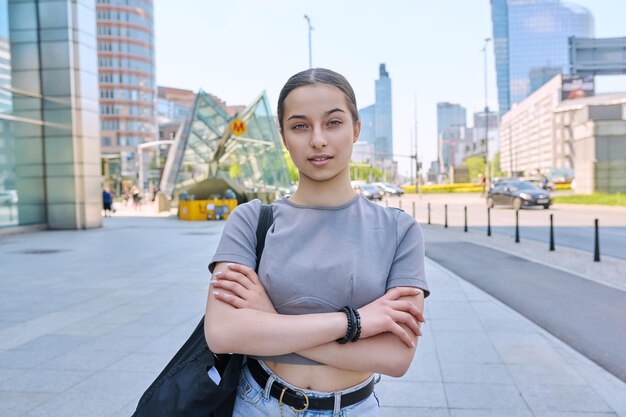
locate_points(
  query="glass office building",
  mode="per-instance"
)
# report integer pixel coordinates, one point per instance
(127, 82)
(49, 136)
(531, 43)
(377, 123)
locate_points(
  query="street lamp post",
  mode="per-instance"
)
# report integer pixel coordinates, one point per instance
(308, 20)
(487, 170)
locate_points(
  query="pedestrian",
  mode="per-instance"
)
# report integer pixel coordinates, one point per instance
(134, 191)
(341, 285)
(107, 202)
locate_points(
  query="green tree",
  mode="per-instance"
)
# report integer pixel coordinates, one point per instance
(291, 167)
(494, 164)
(361, 172)
(476, 166)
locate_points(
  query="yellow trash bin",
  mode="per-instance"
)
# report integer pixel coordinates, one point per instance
(206, 209)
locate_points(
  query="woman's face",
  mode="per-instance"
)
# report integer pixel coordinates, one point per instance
(318, 131)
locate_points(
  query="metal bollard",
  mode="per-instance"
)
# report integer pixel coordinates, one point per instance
(428, 213)
(400, 204)
(551, 233)
(596, 252)
(516, 226)
(414, 209)
(386, 203)
(488, 221)
(445, 216)
(465, 210)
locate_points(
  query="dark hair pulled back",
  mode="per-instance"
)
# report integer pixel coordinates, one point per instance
(318, 76)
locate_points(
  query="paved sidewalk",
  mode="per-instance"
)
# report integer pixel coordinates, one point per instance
(89, 318)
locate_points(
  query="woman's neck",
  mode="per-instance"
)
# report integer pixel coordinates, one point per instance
(325, 194)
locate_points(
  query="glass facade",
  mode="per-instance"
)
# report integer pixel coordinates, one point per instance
(383, 132)
(376, 123)
(531, 43)
(207, 149)
(126, 74)
(49, 154)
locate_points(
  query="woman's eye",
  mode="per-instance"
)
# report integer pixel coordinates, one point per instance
(299, 126)
(334, 122)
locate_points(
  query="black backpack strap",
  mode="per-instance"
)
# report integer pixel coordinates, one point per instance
(266, 218)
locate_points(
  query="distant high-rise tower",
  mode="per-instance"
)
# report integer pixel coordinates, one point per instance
(451, 119)
(383, 133)
(376, 123)
(127, 81)
(531, 43)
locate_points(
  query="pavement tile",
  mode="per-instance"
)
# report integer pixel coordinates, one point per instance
(564, 398)
(490, 413)
(396, 393)
(43, 380)
(84, 404)
(503, 339)
(465, 347)
(25, 359)
(512, 325)
(545, 374)
(485, 397)
(477, 373)
(456, 325)
(413, 412)
(15, 404)
(529, 355)
(84, 360)
(575, 414)
(116, 383)
(7, 373)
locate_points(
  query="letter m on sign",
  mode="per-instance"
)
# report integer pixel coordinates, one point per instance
(238, 127)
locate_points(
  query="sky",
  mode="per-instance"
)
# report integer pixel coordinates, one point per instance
(432, 49)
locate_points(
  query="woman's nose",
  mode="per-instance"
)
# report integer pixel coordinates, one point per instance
(317, 139)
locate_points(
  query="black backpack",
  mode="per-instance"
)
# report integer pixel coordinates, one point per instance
(183, 388)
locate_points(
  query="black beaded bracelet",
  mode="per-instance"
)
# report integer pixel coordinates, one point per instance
(357, 324)
(350, 329)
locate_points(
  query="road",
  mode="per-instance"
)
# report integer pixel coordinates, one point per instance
(573, 224)
(586, 315)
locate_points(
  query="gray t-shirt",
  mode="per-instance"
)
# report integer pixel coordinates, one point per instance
(319, 259)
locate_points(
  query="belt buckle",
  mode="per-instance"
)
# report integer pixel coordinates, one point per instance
(297, 410)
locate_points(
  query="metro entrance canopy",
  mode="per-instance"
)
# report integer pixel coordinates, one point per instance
(251, 158)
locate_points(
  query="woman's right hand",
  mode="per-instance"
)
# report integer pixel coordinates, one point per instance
(387, 313)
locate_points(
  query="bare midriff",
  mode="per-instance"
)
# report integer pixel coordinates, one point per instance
(317, 377)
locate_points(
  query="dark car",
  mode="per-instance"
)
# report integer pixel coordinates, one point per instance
(518, 194)
(371, 192)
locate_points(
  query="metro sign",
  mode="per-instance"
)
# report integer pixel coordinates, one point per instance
(238, 127)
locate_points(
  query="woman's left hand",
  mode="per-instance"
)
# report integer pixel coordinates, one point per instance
(240, 286)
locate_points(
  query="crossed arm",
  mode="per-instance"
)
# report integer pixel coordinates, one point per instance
(241, 319)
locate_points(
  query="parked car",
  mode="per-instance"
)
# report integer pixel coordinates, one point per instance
(389, 189)
(518, 194)
(369, 191)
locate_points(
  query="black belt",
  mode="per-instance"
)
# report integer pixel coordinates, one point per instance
(298, 399)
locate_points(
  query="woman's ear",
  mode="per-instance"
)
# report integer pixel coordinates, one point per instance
(357, 131)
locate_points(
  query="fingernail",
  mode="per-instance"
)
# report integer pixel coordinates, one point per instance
(413, 344)
(216, 293)
(218, 273)
(213, 281)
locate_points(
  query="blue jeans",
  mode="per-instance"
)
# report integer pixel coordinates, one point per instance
(255, 401)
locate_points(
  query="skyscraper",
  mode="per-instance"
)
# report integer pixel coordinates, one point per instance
(127, 81)
(376, 123)
(451, 119)
(383, 134)
(531, 43)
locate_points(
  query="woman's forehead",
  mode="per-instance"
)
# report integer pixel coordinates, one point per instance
(316, 96)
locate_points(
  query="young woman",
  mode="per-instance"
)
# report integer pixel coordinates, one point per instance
(336, 268)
